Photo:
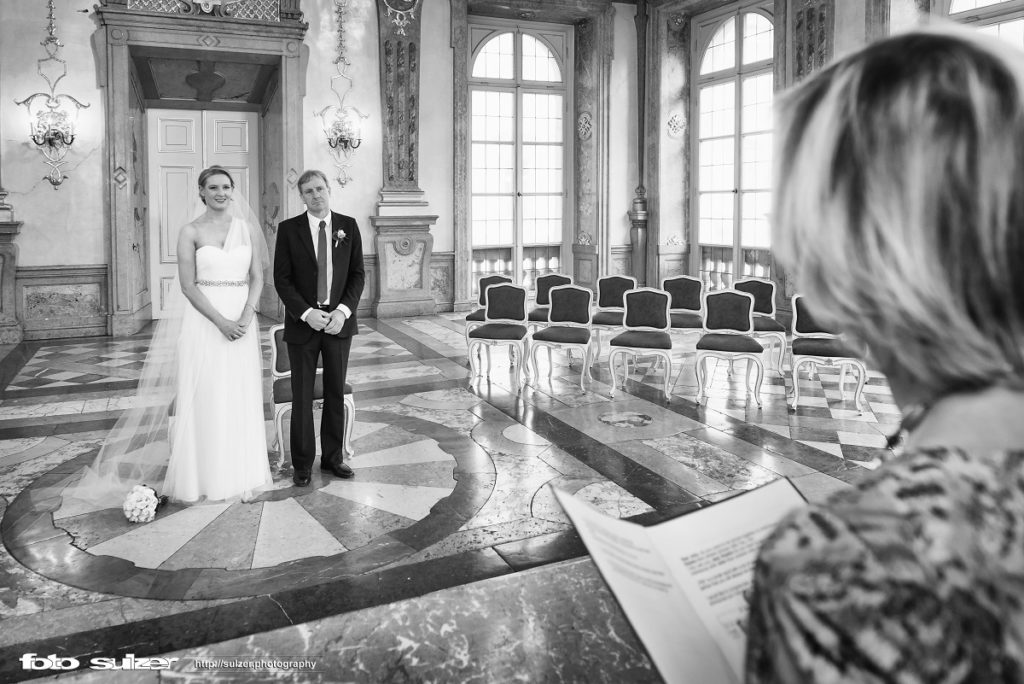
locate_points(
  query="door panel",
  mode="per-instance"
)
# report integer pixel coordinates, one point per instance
(182, 143)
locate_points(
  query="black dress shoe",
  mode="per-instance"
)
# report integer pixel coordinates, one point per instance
(338, 468)
(301, 479)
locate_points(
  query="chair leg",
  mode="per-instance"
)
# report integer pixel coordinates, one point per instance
(350, 421)
(474, 360)
(757, 381)
(668, 375)
(700, 370)
(796, 382)
(279, 423)
(858, 393)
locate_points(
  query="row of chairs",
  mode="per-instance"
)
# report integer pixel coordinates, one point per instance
(732, 325)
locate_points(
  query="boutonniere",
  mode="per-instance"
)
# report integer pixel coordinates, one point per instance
(339, 236)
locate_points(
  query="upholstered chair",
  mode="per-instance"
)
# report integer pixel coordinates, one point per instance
(568, 328)
(281, 390)
(538, 315)
(610, 306)
(729, 335)
(505, 325)
(476, 317)
(815, 345)
(646, 324)
(765, 325)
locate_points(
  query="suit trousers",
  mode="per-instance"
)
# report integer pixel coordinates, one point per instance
(303, 357)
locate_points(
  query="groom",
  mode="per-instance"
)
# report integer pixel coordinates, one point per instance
(318, 273)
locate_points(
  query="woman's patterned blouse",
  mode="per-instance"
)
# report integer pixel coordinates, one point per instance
(915, 575)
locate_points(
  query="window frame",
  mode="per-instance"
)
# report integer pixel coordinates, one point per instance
(705, 26)
(480, 31)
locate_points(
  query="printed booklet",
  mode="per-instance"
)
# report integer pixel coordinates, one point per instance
(684, 583)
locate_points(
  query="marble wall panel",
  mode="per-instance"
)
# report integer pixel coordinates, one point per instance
(62, 301)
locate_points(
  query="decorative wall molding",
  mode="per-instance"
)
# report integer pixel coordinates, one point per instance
(257, 10)
(62, 301)
(400, 91)
(621, 261)
(442, 280)
(813, 36)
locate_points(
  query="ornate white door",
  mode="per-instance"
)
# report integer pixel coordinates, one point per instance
(181, 144)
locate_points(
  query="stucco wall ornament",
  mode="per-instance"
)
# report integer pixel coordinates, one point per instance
(401, 13)
(676, 125)
(342, 123)
(584, 126)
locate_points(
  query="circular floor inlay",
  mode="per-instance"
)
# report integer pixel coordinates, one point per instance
(405, 466)
(626, 420)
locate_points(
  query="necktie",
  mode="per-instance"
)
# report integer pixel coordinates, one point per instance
(321, 265)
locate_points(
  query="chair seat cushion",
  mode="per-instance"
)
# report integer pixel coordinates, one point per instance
(562, 334)
(730, 343)
(608, 318)
(476, 316)
(767, 324)
(282, 389)
(643, 339)
(816, 346)
(498, 331)
(686, 320)
(539, 313)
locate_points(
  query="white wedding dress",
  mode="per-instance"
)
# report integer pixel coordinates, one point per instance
(217, 432)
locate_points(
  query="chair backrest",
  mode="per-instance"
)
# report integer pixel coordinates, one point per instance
(506, 303)
(610, 291)
(570, 305)
(280, 362)
(486, 282)
(647, 309)
(687, 293)
(548, 281)
(804, 324)
(763, 291)
(729, 311)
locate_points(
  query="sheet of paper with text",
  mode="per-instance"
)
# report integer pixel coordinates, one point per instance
(684, 584)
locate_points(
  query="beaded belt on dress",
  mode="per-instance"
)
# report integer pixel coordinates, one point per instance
(223, 283)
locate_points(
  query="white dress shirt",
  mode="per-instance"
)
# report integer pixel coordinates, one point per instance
(314, 231)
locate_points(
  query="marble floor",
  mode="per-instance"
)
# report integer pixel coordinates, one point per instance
(452, 494)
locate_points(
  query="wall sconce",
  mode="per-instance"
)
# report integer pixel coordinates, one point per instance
(52, 115)
(342, 125)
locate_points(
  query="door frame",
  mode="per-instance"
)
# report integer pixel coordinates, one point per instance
(281, 156)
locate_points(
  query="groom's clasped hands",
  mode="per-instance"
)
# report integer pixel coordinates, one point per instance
(331, 323)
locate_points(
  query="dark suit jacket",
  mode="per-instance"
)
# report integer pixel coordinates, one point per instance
(295, 272)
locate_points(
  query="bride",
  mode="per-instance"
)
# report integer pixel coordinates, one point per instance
(196, 431)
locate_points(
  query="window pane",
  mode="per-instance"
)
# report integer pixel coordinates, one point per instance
(1011, 31)
(496, 59)
(756, 114)
(754, 208)
(717, 110)
(756, 164)
(542, 117)
(492, 116)
(542, 168)
(965, 5)
(538, 62)
(716, 165)
(721, 51)
(758, 39)
(716, 218)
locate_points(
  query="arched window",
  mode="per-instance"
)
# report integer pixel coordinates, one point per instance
(732, 147)
(518, 103)
(1002, 18)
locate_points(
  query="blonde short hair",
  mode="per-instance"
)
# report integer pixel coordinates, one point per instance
(899, 203)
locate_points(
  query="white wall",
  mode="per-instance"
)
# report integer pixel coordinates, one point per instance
(62, 226)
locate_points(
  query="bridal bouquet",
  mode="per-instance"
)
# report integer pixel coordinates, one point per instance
(142, 503)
